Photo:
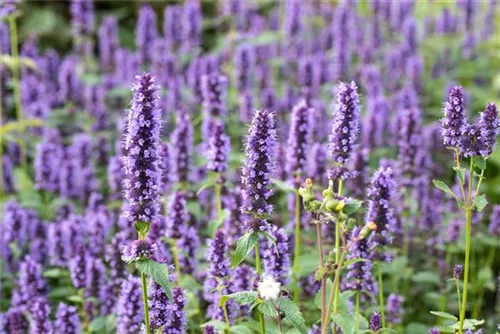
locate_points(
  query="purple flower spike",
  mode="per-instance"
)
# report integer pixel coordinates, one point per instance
(209, 329)
(165, 166)
(359, 274)
(172, 26)
(192, 25)
(299, 141)
(218, 149)
(178, 216)
(139, 249)
(345, 127)
(40, 317)
(213, 90)
(147, 32)
(278, 265)
(141, 144)
(29, 285)
(177, 321)
(494, 227)
(489, 127)
(188, 245)
(129, 307)
(454, 121)
(458, 269)
(108, 42)
(14, 322)
(380, 211)
(375, 322)
(409, 141)
(244, 60)
(67, 320)
(48, 157)
(182, 147)
(219, 264)
(82, 17)
(260, 148)
(394, 308)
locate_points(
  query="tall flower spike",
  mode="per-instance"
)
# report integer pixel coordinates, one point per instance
(165, 168)
(182, 147)
(141, 144)
(108, 42)
(177, 321)
(82, 17)
(67, 320)
(359, 277)
(260, 148)
(178, 216)
(30, 284)
(380, 212)
(172, 26)
(278, 265)
(218, 149)
(244, 60)
(48, 156)
(129, 308)
(219, 264)
(489, 127)
(40, 317)
(409, 141)
(147, 32)
(192, 26)
(299, 141)
(454, 121)
(14, 322)
(345, 127)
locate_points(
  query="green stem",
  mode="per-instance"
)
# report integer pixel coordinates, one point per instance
(295, 267)
(257, 260)
(457, 283)
(323, 278)
(218, 197)
(381, 295)
(175, 253)
(333, 296)
(145, 301)
(337, 261)
(144, 283)
(224, 309)
(357, 312)
(468, 209)
(262, 323)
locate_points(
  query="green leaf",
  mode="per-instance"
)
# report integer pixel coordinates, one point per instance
(444, 315)
(480, 202)
(317, 299)
(446, 329)
(267, 308)
(240, 329)
(243, 297)
(55, 273)
(75, 299)
(218, 324)
(346, 322)
(157, 271)
(356, 260)
(444, 187)
(214, 224)
(429, 277)
(352, 206)
(461, 173)
(244, 246)
(479, 162)
(283, 186)
(292, 314)
(98, 325)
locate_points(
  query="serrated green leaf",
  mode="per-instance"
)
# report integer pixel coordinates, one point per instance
(243, 297)
(218, 324)
(443, 187)
(240, 329)
(267, 308)
(352, 206)
(346, 322)
(244, 246)
(98, 325)
(292, 314)
(480, 202)
(444, 315)
(156, 271)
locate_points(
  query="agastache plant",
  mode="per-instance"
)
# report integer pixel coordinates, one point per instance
(474, 142)
(142, 177)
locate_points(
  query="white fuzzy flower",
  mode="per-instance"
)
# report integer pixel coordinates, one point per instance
(268, 288)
